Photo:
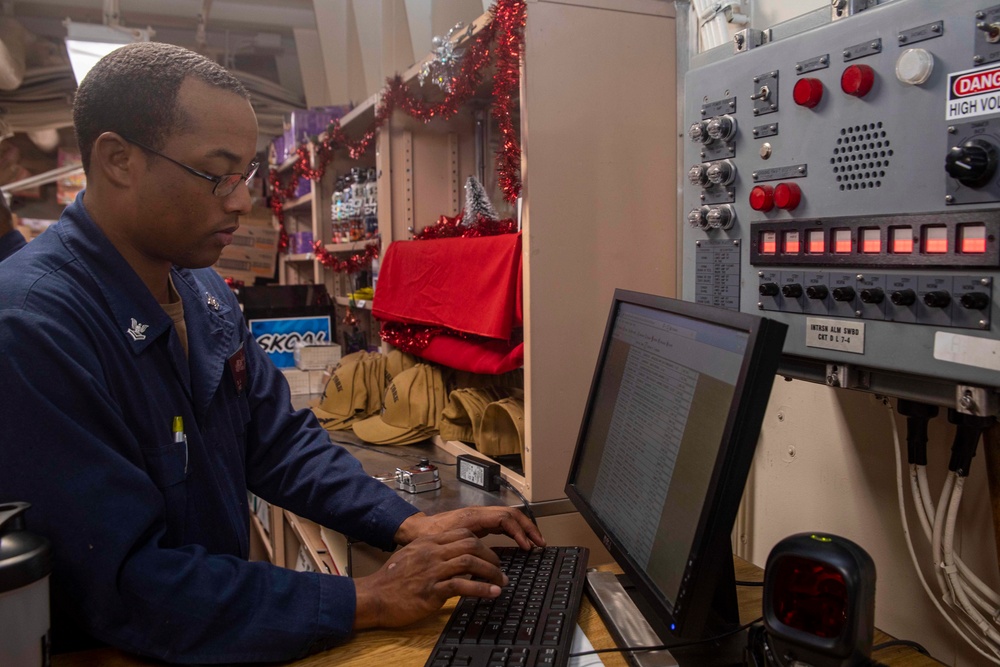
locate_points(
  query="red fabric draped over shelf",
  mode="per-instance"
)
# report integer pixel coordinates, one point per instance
(470, 286)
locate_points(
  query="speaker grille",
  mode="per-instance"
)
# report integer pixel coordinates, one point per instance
(861, 157)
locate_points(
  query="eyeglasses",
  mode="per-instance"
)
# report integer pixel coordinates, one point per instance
(224, 185)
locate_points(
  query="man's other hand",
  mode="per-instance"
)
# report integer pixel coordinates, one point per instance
(497, 520)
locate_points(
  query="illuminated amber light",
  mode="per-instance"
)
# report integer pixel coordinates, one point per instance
(871, 241)
(792, 244)
(902, 240)
(768, 243)
(815, 243)
(973, 239)
(935, 240)
(842, 241)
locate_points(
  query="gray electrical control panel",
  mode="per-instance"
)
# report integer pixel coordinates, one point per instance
(844, 178)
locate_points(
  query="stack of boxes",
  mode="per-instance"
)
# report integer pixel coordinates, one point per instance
(254, 251)
(312, 364)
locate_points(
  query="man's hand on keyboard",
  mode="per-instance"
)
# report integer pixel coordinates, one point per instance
(481, 521)
(421, 576)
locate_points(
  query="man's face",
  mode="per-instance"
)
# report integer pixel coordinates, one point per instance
(180, 220)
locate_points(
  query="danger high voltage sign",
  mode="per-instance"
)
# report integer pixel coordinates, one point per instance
(973, 93)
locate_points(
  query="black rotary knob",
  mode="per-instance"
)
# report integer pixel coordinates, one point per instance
(903, 297)
(872, 295)
(768, 289)
(972, 163)
(975, 300)
(791, 290)
(817, 292)
(937, 299)
(843, 293)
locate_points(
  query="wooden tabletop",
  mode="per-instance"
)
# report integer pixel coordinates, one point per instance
(410, 647)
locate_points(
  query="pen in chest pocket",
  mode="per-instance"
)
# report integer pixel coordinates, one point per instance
(179, 436)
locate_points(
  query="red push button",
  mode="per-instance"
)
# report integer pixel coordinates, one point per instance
(787, 196)
(857, 80)
(807, 92)
(762, 198)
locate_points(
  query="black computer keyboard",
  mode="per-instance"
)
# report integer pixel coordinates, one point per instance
(532, 621)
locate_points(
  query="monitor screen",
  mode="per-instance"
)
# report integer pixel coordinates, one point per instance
(666, 442)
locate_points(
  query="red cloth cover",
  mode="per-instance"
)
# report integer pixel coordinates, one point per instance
(471, 285)
(488, 357)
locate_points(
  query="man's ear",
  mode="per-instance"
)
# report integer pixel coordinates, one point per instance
(115, 159)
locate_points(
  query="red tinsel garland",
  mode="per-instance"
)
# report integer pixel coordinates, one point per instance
(507, 28)
(414, 338)
(352, 264)
(451, 227)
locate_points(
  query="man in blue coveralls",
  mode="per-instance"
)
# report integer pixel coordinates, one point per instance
(111, 327)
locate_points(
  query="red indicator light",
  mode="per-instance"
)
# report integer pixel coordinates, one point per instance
(768, 243)
(842, 241)
(762, 198)
(871, 241)
(901, 240)
(935, 240)
(787, 196)
(815, 243)
(807, 92)
(857, 80)
(972, 239)
(792, 244)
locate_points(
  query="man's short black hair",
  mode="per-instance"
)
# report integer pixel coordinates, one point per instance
(133, 91)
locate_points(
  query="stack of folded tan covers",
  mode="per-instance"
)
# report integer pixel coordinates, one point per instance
(392, 399)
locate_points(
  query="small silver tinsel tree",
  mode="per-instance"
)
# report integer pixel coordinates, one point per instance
(477, 203)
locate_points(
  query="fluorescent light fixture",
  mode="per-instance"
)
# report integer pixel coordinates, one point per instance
(87, 43)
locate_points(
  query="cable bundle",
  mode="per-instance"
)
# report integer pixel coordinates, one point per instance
(969, 605)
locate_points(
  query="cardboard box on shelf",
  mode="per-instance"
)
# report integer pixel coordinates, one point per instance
(303, 382)
(255, 237)
(252, 254)
(246, 267)
(316, 356)
(260, 216)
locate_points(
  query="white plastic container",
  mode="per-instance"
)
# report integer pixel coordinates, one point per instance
(25, 564)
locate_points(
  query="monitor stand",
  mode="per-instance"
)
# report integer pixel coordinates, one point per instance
(625, 612)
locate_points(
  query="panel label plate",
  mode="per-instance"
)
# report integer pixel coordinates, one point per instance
(830, 334)
(967, 350)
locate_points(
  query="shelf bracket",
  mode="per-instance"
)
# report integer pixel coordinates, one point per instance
(453, 164)
(408, 180)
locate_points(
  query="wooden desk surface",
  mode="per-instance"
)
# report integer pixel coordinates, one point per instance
(410, 647)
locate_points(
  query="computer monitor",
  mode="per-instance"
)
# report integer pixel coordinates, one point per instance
(664, 449)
